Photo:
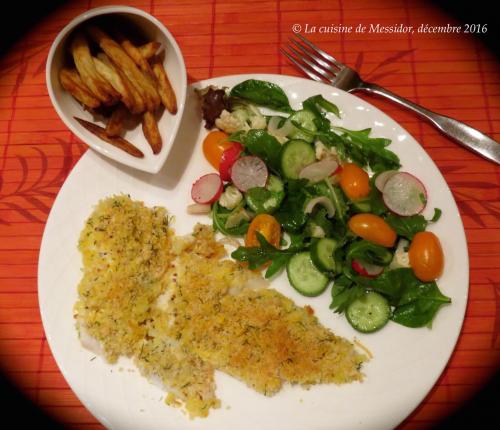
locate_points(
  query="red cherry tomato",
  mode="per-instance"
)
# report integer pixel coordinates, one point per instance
(373, 229)
(229, 156)
(426, 256)
(214, 145)
(354, 181)
(338, 170)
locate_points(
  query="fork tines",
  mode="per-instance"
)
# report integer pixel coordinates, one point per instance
(314, 62)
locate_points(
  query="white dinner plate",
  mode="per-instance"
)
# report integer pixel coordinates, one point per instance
(406, 364)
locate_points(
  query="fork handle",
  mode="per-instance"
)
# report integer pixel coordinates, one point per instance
(463, 134)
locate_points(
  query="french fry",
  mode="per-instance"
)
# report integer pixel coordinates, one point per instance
(136, 55)
(138, 101)
(121, 59)
(165, 89)
(151, 131)
(149, 49)
(117, 141)
(71, 82)
(116, 122)
(85, 66)
(108, 72)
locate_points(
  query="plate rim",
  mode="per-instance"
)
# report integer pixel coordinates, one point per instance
(291, 80)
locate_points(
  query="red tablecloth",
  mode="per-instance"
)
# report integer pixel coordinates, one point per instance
(450, 73)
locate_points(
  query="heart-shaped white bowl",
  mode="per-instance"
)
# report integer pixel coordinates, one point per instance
(67, 107)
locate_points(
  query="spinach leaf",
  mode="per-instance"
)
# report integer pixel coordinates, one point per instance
(406, 226)
(291, 212)
(392, 283)
(263, 145)
(409, 226)
(416, 302)
(418, 305)
(262, 93)
(374, 203)
(313, 103)
(368, 252)
(377, 204)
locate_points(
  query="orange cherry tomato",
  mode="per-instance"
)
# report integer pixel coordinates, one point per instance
(214, 145)
(373, 229)
(426, 256)
(268, 226)
(354, 181)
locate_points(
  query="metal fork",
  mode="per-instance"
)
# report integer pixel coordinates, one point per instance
(320, 66)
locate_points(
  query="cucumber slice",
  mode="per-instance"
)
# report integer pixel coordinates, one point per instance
(322, 254)
(304, 276)
(274, 184)
(369, 313)
(305, 119)
(261, 200)
(266, 199)
(295, 155)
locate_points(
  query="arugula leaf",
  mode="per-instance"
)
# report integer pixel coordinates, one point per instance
(368, 252)
(437, 214)
(344, 292)
(219, 218)
(319, 219)
(262, 93)
(334, 193)
(263, 145)
(313, 104)
(256, 256)
(365, 150)
(279, 261)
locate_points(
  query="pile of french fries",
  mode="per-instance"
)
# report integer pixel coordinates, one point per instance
(124, 78)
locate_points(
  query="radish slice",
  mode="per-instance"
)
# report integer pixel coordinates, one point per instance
(382, 179)
(321, 200)
(319, 170)
(366, 269)
(404, 194)
(249, 172)
(198, 209)
(207, 189)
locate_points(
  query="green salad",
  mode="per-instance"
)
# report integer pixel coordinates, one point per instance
(328, 205)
